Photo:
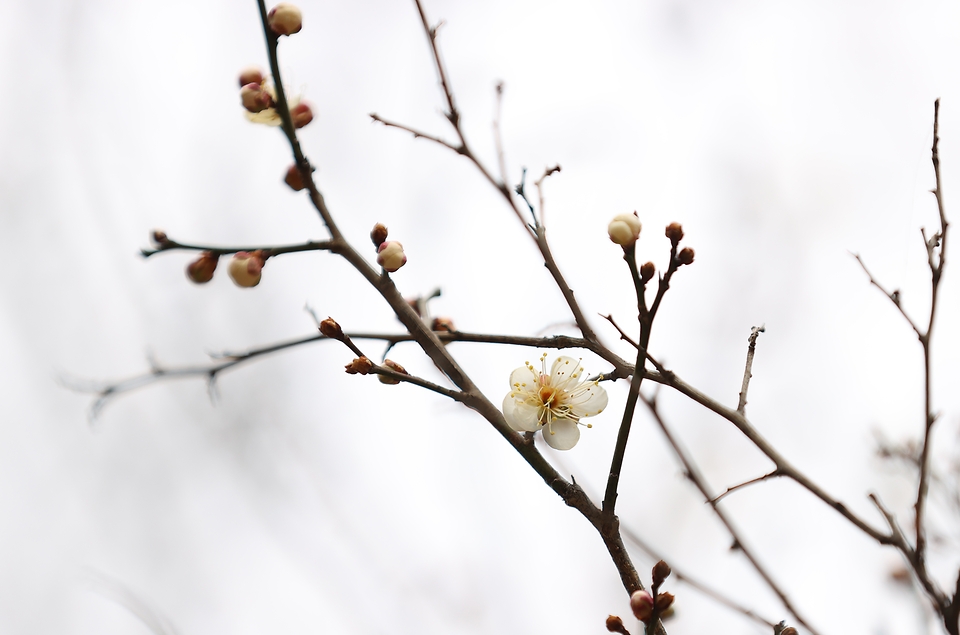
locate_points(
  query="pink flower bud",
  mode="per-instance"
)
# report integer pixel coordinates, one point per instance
(293, 179)
(245, 268)
(201, 270)
(254, 98)
(624, 229)
(285, 19)
(301, 115)
(390, 256)
(642, 605)
(251, 75)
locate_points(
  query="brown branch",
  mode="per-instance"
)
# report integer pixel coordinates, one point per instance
(170, 245)
(748, 369)
(697, 478)
(417, 134)
(936, 259)
(623, 335)
(893, 296)
(752, 481)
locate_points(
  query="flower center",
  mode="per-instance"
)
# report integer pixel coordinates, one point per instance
(548, 395)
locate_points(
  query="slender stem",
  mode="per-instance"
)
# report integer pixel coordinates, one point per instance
(171, 245)
(748, 369)
(694, 474)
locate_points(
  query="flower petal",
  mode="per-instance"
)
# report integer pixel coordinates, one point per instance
(565, 372)
(520, 416)
(525, 377)
(590, 399)
(565, 435)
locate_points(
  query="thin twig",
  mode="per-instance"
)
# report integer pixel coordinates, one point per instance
(539, 185)
(623, 335)
(417, 134)
(498, 137)
(893, 296)
(752, 481)
(697, 478)
(748, 369)
(170, 245)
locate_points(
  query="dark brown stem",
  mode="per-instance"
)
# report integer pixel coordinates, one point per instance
(268, 251)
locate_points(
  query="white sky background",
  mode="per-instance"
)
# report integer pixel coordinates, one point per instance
(305, 501)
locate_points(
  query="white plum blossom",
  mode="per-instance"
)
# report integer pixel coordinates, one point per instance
(553, 402)
(624, 229)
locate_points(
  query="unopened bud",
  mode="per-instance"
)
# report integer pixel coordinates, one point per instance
(443, 324)
(251, 75)
(394, 366)
(293, 178)
(331, 329)
(301, 115)
(624, 229)
(615, 625)
(664, 601)
(642, 605)
(245, 268)
(254, 98)
(359, 366)
(661, 571)
(789, 631)
(685, 257)
(159, 237)
(390, 256)
(378, 234)
(285, 19)
(674, 232)
(201, 270)
(647, 271)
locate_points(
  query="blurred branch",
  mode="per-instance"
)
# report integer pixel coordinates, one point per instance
(166, 244)
(748, 369)
(693, 473)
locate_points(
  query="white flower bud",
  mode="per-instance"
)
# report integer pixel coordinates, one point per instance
(390, 255)
(285, 19)
(245, 268)
(254, 98)
(624, 229)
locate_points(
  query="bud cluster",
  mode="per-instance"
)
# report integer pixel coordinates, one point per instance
(647, 607)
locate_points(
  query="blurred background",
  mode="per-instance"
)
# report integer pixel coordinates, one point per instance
(782, 136)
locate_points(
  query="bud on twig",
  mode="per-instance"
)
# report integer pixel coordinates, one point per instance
(254, 98)
(789, 631)
(301, 115)
(674, 233)
(251, 75)
(285, 19)
(331, 329)
(245, 268)
(293, 178)
(615, 625)
(159, 237)
(661, 571)
(378, 234)
(647, 271)
(685, 257)
(394, 366)
(390, 256)
(359, 366)
(443, 324)
(201, 270)
(624, 229)
(664, 601)
(642, 605)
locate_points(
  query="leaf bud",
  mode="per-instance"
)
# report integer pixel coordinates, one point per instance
(293, 178)
(642, 605)
(394, 366)
(285, 19)
(674, 232)
(624, 229)
(685, 257)
(615, 625)
(245, 268)
(201, 270)
(359, 366)
(301, 115)
(664, 601)
(331, 329)
(390, 256)
(159, 237)
(378, 234)
(647, 271)
(661, 571)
